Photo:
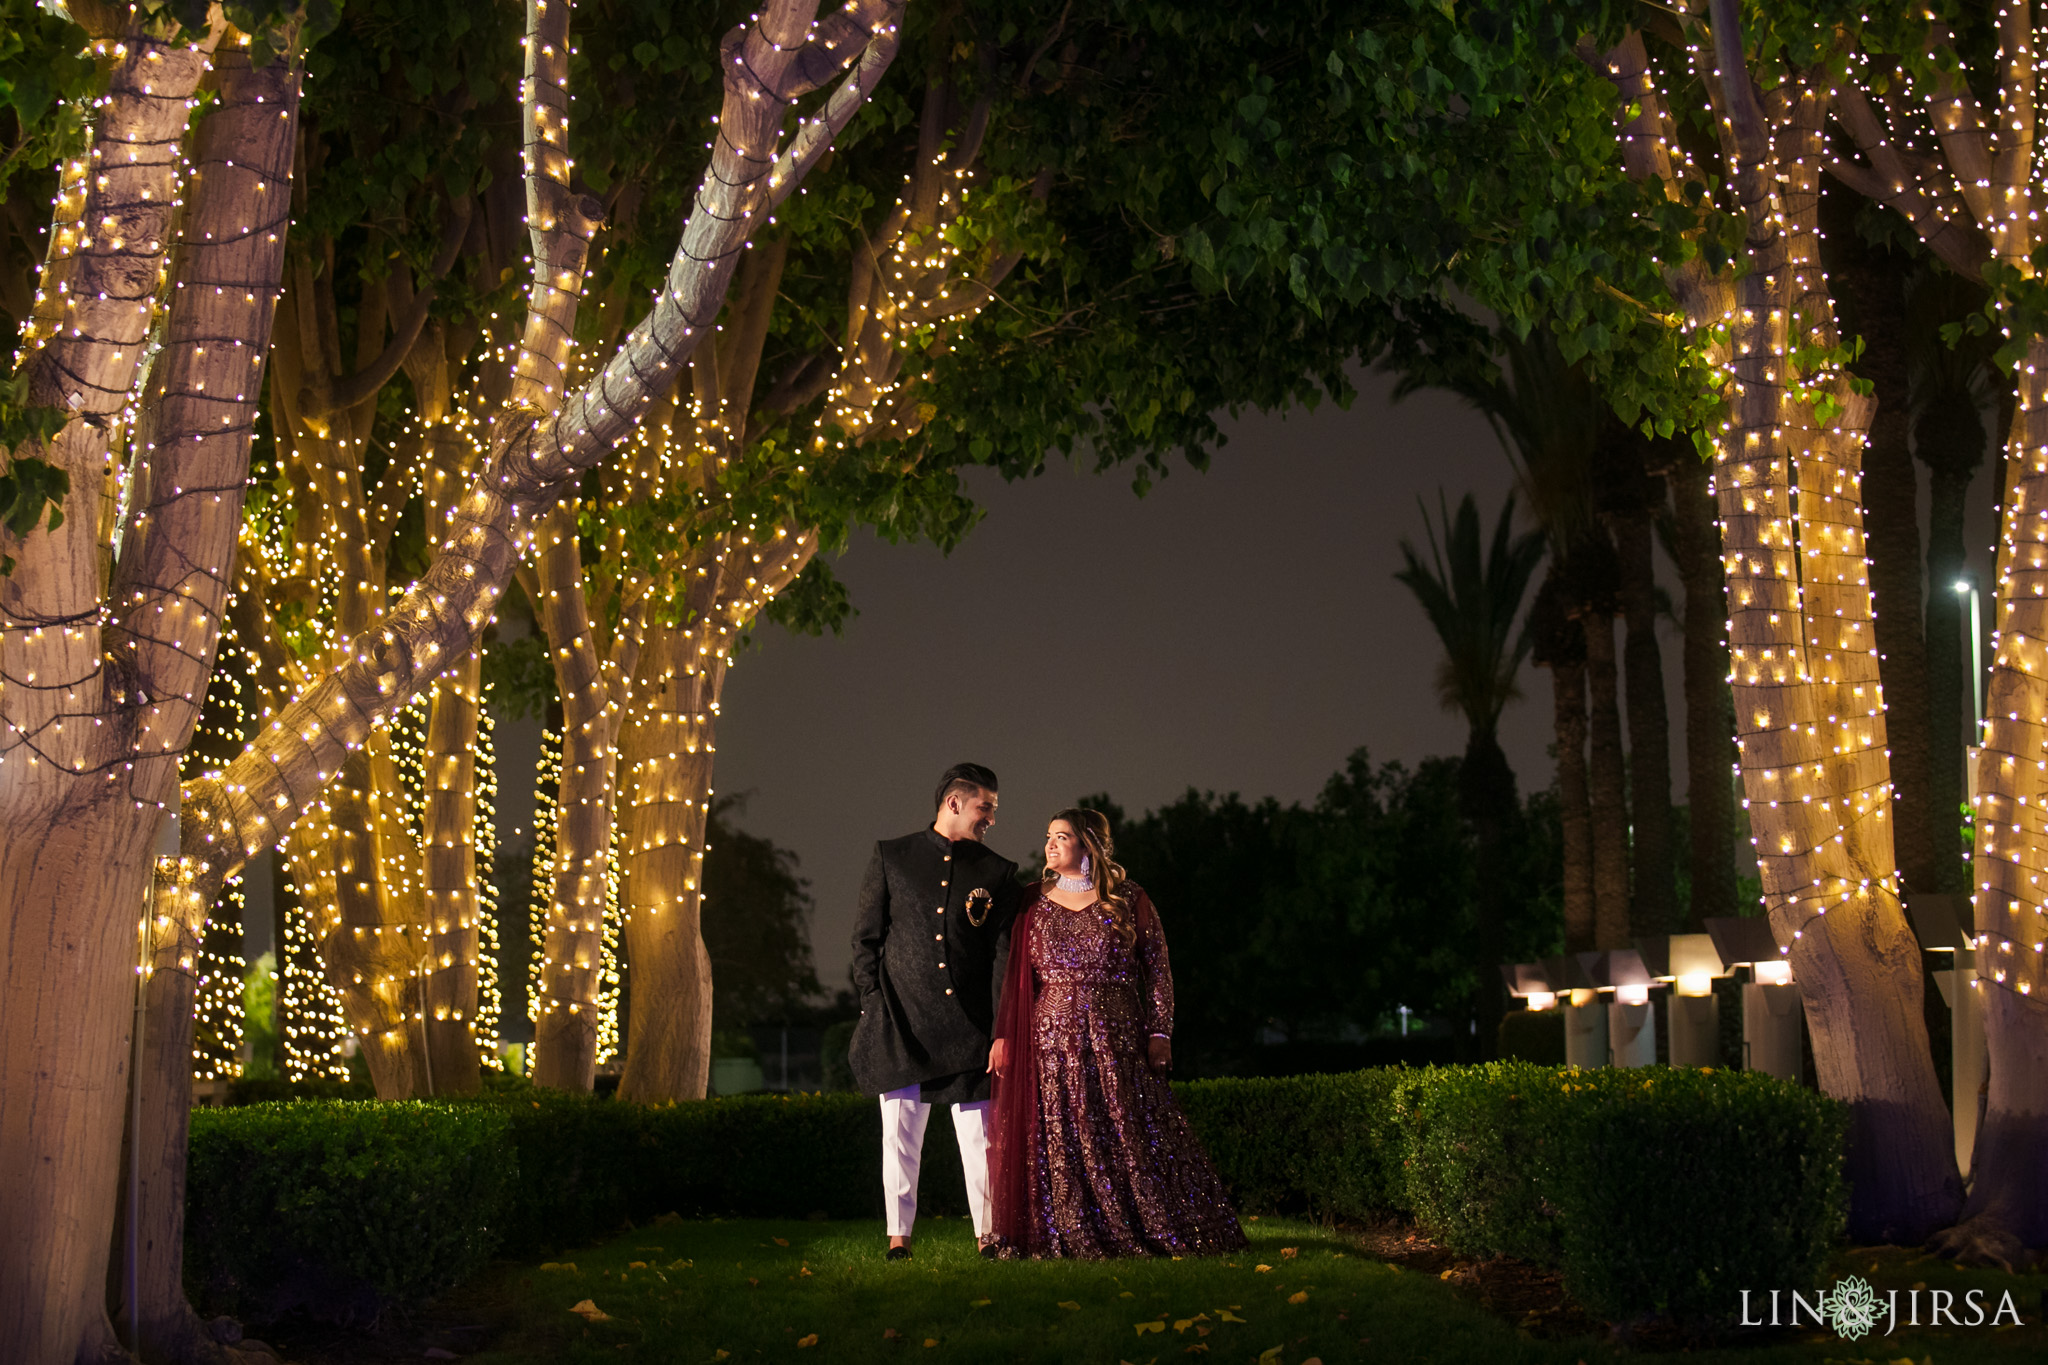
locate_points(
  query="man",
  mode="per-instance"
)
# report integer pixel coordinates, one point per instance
(930, 943)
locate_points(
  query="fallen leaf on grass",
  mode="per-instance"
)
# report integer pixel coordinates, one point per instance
(931, 1341)
(1127, 1294)
(1262, 1269)
(1448, 1273)
(1202, 1331)
(753, 1283)
(1313, 1360)
(636, 1265)
(1271, 1355)
(979, 1303)
(1227, 1315)
(804, 1271)
(890, 1334)
(681, 1265)
(1068, 1304)
(569, 1266)
(810, 1340)
(1181, 1325)
(780, 1241)
(1289, 1253)
(1200, 1348)
(590, 1312)
(1145, 1327)
(722, 1354)
(1299, 1296)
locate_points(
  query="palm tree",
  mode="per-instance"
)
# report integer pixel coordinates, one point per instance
(1472, 593)
(1561, 435)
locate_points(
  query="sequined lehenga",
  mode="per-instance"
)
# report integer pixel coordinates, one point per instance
(1090, 1155)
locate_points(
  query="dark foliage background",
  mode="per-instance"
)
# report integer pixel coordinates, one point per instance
(1314, 924)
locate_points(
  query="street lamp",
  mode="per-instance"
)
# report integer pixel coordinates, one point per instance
(1976, 659)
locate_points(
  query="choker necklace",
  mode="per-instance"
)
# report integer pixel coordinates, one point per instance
(1082, 883)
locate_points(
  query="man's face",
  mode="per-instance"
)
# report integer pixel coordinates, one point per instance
(969, 814)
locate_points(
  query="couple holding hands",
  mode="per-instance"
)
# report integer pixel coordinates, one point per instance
(1043, 1014)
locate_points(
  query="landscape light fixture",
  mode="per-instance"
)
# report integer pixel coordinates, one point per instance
(1529, 982)
(1773, 1021)
(1689, 964)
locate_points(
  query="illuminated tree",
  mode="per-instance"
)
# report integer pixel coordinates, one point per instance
(1966, 178)
(105, 670)
(1809, 717)
(1700, 303)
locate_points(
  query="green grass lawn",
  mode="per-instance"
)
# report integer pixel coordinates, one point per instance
(752, 1290)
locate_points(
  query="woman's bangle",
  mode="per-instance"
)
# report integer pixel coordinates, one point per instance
(1167, 1036)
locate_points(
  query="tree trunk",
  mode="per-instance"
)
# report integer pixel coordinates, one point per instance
(666, 756)
(1709, 751)
(1575, 812)
(1486, 794)
(1804, 659)
(454, 909)
(67, 1002)
(1653, 907)
(1606, 785)
(80, 808)
(1873, 299)
(2008, 1204)
(565, 1026)
(1949, 437)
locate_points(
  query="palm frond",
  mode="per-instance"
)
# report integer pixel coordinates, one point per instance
(1471, 588)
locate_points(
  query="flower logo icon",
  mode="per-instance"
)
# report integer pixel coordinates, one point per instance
(1852, 1308)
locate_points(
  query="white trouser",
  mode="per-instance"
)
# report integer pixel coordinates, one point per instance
(904, 1116)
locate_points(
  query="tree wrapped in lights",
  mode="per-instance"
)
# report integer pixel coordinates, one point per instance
(1680, 260)
(1968, 179)
(1804, 665)
(103, 681)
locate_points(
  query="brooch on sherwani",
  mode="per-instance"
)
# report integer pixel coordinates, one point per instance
(979, 896)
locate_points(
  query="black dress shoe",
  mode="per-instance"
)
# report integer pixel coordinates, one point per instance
(899, 1253)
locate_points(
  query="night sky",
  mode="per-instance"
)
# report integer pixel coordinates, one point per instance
(1234, 630)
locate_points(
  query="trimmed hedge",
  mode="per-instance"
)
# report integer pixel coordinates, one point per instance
(587, 1167)
(1652, 1190)
(339, 1208)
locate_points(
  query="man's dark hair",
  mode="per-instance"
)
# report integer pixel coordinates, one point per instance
(963, 777)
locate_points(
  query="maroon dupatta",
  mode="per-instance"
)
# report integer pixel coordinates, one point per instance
(1013, 1138)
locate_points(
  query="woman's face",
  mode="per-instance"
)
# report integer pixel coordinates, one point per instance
(1063, 849)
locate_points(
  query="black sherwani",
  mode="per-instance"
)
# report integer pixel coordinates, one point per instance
(927, 974)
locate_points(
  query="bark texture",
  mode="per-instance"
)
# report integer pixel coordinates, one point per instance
(1974, 203)
(1871, 288)
(1653, 902)
(1805, 671)
(80, 797)
(1606, 784)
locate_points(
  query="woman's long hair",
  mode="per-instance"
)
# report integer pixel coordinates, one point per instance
(1092, 827)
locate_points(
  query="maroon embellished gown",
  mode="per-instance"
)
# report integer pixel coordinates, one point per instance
(1090, 1156)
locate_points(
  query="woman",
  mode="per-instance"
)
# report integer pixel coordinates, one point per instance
(1090, 1156)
